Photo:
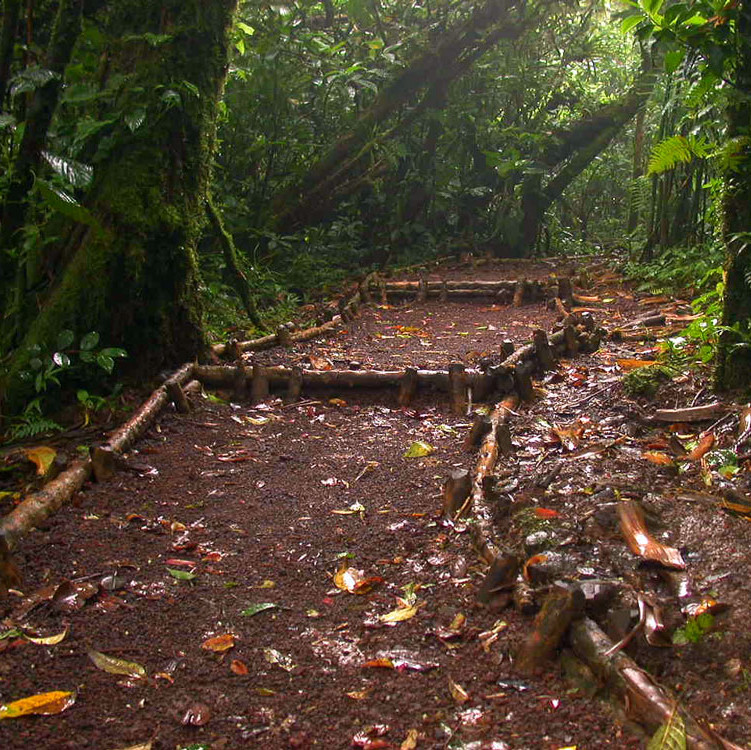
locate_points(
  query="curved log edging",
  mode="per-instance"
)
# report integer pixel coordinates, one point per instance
(40, 505)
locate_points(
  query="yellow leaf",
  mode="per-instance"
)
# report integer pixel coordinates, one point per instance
(113, 665)
(144, 746)
(220, 643)
(43, 704)
(458, 693)
(410, 741)
(400, 614)
(418, 449)
(42, 457)
(51, 640)
(359, 695)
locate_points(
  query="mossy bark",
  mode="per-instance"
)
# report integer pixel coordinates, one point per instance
(734, 357)
(11, 12)
(135, 278)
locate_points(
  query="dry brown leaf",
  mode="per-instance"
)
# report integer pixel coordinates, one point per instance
(382, 663)
(458, 693)
(657, 457)
(702, 448)
(635, 364)
(239, 667)
(641, 542)
(359, 695)
(353, 581)
(320, 363)
(42, 457)
(220, 643)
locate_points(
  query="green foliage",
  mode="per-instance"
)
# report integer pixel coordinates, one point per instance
(31, 422)
(695, 629)
(675, 150)
(678, 269)
(645, 381)
(670, 736)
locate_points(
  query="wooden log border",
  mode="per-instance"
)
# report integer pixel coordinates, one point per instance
(38, 506)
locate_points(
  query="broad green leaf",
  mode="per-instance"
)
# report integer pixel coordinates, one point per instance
(31, 79)
(44, 704)
(418, 449)
(105, 362)
(65, 339)
(630, 22)
(670, 736)
(651, 6)
(114, 352)
(182, 575)
(255, 609)
(249, 30)
(673, 59)
(77, 173)
(64, 203)
(89, 341)
(113, 665)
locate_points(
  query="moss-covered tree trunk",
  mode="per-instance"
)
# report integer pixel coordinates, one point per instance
(11, 11)
(135, 278)
(734, 360)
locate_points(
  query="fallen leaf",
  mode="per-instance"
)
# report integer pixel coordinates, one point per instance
(641, 542)
(196, 715)
(42, 457)
(382, 663)
(546, 513)
(51, 640)
(319, 363)
(71, 596)
(360, 695)
(635, 364)
(220, 643)
(264, 692)
(182, 575)
(43, 704)
(458, 693)
(255, 609)
(337, 402)
(239, 667)
(113, 665)
(276, 657)
(401, 613)
(410, 741)
(702, 448)
(534, 560)
(353, 581)
(657, 457)
(419, 449)
(144, 746)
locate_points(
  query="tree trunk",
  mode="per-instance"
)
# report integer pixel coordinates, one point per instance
(135, 279)
(734, 357)
(637, 171)
(64, 35)
(11, 12)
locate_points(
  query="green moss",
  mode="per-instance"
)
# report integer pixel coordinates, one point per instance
(646, 380)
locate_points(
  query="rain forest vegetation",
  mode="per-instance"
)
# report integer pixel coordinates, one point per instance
(175, 171)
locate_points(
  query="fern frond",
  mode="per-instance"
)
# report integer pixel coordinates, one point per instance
(678, 149)
(670, 736)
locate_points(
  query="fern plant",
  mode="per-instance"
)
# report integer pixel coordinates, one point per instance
(675, 150)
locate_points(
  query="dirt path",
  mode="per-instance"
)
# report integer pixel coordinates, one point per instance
(282, 575)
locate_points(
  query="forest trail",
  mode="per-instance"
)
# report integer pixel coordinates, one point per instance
(283, 575)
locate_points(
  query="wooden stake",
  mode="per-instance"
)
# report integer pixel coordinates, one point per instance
(572, 343)
(542, 347)
(382, 290)
(521, 293)
(456, 490)
(444, 293)
(294, 385)
(558, 611)
(283, 335)
(500, 578)
(259, 390)
(458, 389)
(422, 290)
(523, 381)
(481, 425)
(408, 386)
(565, 291)
(103, 462)
(507, 348)
(239, 382)
(175, 392)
